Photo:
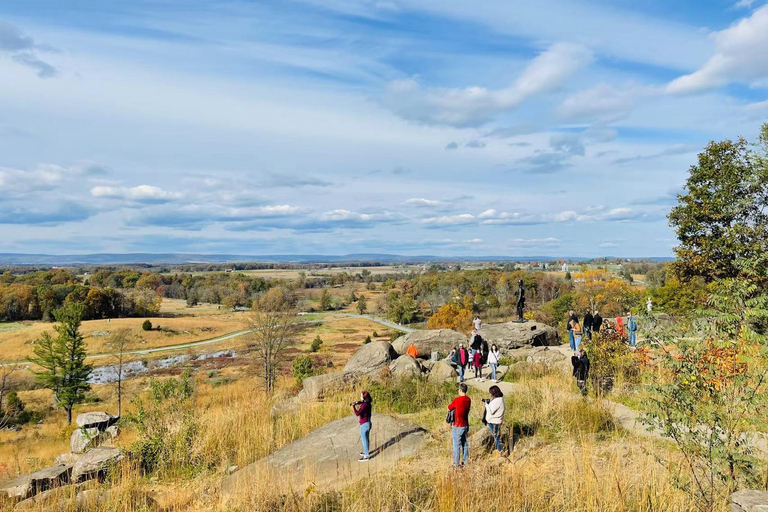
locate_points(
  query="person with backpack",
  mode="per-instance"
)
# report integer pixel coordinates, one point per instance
(476, 345)
(460, 425)
(577, 333)
(580, 363)
(461, 359)
(632, 328)
(494, 356)
(363, 410)
(494, 414)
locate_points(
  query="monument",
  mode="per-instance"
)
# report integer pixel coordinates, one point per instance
(520, 301)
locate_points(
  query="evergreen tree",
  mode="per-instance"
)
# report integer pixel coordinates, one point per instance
(63, 359)
(362, 305)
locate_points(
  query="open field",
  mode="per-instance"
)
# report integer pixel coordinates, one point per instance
(289, 273)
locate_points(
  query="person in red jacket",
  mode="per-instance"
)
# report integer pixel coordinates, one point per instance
(363, 411)
(460, 407)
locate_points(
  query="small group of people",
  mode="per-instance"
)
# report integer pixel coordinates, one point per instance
(595, 323)
(478, 355)
(458, 411)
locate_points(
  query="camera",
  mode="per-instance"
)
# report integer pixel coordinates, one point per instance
(486, 400)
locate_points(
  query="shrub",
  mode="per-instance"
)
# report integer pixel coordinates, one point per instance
(375, 334)
(13, 404)
(405, 396)
(394, 335)
(315, 346)
(367, 340)
(302, 367)
(167, 425)
(609, 357)
(146, 325)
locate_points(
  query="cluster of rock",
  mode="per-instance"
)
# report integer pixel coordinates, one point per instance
(381, 358)
(749, 501)
(88, 459)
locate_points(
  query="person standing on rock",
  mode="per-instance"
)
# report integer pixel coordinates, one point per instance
(597, 322)
(461, 358)
(363, 410)
(494, 414)
(460, 427)
(587, 324)
(477, 323)
(580, 363)
(475, 345)
(571, 319)
(493, 360)
(412, 351)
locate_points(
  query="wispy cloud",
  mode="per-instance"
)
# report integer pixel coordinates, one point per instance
(23, 50)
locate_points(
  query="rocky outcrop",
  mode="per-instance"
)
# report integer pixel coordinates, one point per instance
(82, 439)
(749, 501)
(428, 341)
(481, 442)
(370, 358)
(327, 457)
(95, 463)
(96, 419)
(512, 335)
(26, 486)
(405, 366)
(315, 388)
(549, 357)
(442, 372)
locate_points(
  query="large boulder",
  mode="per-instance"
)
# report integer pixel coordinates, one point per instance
(82, 439)
(481, 442)
(318, 386)
(428, 341)
(370, 358)
(25, 486)
(550, 358)
(95, 463)
(96, 419)
(405, 366)
(749, 501)
(442, 372)
(512, 335)
(327, 457)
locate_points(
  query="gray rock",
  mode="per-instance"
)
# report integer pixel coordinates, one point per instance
(442, 372)
(749, 501)
(548, 357)
(327, 457)
(512, 335)
(82, 439)
(26, 486)
(405, 366)
(66, 458)
(315, 388)
(112, 431)
(435, 356)
(481, 442)
(428, 341)
(95, 463)
(96, 419)
(370, 358)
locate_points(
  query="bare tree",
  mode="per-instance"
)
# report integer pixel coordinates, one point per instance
(273, 326)
(119, 343)
(5, 375)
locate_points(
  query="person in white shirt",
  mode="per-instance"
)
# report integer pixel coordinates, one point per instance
(494, 356)
(494, 414)
(478, 323)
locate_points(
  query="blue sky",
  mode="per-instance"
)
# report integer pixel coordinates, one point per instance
(556, 127)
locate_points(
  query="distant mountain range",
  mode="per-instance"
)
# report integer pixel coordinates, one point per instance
(182, 259)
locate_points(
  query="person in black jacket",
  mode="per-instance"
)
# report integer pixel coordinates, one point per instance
(580, 363)
(597, 322)
(587, 325)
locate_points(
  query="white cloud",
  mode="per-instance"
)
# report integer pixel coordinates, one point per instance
(475, 105)
(140, 194)
(602, 103)
(450, 220)
(744, 4)
(609, 244)
(739, 57)
(474, 241)
(536, 241)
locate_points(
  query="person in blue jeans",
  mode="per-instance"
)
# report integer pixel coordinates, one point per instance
(363, 410)
(460, 427)
(632, 328)
(461, 359)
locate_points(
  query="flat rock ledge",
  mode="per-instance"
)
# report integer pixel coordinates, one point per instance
(327, 457)
(749, 501)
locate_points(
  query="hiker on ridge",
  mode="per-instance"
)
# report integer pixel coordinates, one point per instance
(494, 356)
(412, 351)
(577, 333)
(597, 322)
(460, 426)
(587, 325)
(477, 364)
(363, 410)
(461, 359)
(571, 319)
(477, 323)
(580, 363)
(632, 328)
